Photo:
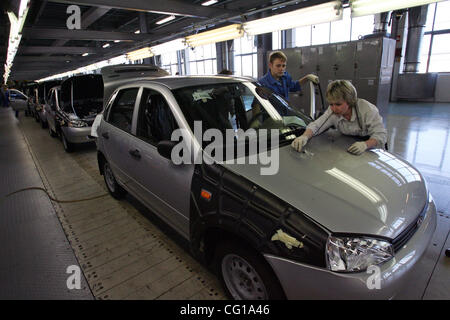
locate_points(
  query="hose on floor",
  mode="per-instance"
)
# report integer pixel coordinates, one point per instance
(54, 199)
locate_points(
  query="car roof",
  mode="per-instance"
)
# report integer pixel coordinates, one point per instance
(176, 82)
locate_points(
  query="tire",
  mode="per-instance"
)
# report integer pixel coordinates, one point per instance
(68, 147)
(245, 274)
(111, 183)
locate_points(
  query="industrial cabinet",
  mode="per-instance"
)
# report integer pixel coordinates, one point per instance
(367, 63)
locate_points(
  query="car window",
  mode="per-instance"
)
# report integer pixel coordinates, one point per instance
(155, 119)
(121, 113)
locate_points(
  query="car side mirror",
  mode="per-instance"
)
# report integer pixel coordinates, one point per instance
(165, 148)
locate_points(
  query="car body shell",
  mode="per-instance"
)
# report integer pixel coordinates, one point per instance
(322, 192)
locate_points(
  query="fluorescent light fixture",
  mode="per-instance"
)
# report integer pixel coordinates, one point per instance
(174, 45)
(140, 54)
(15, 35)
(210, 2)
(326, 12)
(98, 65)
(169, 18)
(230, 32)
(137, 31)
(367, 7)
(85, 54)
(106, 45)
(116, 41)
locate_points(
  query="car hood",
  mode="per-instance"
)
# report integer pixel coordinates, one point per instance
(375, 193)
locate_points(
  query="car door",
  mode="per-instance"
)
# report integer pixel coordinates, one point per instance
(50, 109)
(117, 137)
(163, 186)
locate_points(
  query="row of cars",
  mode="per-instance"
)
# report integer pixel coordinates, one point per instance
(67, 108)
(324, 225)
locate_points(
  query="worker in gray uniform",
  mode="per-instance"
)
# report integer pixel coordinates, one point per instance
(351, 116)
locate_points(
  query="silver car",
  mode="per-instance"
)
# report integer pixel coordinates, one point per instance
(72, 108)
(322, 224)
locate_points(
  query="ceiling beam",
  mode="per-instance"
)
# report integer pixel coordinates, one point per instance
(170, 7)
(58, 50)
(44, 33)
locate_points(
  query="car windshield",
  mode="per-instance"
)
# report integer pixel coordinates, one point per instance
(240, 105)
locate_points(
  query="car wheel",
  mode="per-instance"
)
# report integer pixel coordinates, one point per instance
(111, 183)
(68, 147)
(245, 275)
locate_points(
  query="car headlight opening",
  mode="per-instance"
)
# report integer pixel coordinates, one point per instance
(347, 254)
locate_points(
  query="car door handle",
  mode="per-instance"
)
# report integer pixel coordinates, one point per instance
(105, 135)
(135, 153)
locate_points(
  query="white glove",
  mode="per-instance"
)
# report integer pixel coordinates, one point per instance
(299, 143)
(358, 148)
(313, 78)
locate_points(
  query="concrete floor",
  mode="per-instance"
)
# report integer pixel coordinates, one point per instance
(125, 252)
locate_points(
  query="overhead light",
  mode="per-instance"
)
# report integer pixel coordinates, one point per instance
(15, 35)
(106, 45)
(210, 2)
(366, 7)
(140, 54)
(169, 18)
(85, 54)
(230, 32)
(174, 45)
(326, 12)
(137, 31)
(116, 41)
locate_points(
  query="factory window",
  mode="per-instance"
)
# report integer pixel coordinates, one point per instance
(169, 62)
(202, 60)
(435, 53)
(245, 58)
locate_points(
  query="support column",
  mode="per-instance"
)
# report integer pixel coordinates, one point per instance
(417, 18)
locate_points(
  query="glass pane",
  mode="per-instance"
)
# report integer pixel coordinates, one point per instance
(193, 68)
(255, 65)
(207, 50)
(442, 17)
(201, 67)
(423, 58)
(340, 30)
(237, 65)
(303, 36)
(276, 40)
(214, 64)
(440, 54)
(247, 65)
(209, 67)
(430, 16)
(362, 26)
(237, 46)
(320, 33)
(247, 44)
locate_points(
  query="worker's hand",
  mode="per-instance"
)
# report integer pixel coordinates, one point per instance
(358, 148)
(299, 143)
(313, 78)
